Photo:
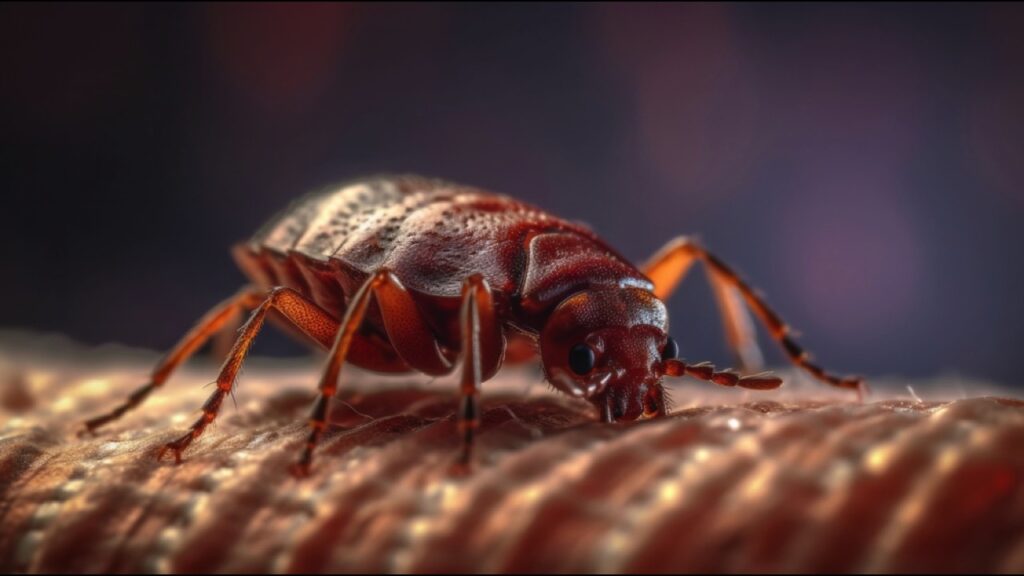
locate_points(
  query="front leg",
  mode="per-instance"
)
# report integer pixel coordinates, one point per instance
(412, 339)
(482, 348)
(671, 263)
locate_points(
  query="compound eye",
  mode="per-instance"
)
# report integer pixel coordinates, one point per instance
(650, 404)
(671, 349)
(581, 359)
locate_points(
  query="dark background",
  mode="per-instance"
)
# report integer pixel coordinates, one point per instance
(862, 164)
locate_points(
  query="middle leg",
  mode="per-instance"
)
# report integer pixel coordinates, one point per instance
(413, 340)
(482, 348)
(407, 332)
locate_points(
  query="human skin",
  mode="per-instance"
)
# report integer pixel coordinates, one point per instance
(799, 479)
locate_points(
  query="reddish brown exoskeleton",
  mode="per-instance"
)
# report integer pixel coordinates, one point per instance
(397, 274)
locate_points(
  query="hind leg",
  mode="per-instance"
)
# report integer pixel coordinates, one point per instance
(212, 323)
(306, 315)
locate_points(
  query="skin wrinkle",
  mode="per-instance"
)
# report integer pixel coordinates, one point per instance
(490, 501)
(19, 531)
(238, 500)
(642, 502)
(875, 490)
(514, 481)
(812, 543)
(1013, 558)
(715, 499)
(119, 557)
(358, 486)
(15, 457)
(935, 499)
(770, 482)
(424, 518)
(402, 499)
(888, 536)
(807, 477)
(569, 481)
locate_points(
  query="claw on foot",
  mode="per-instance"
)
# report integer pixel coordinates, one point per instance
(132, 401)
(460, 468)
(86, 429)
(90, 426)
(462, 464)
(177, 447)
(862, 389)
(299, 469)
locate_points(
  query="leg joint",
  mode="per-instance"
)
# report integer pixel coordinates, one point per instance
(277, 292)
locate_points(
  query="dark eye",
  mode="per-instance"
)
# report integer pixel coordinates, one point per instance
(671, 349)
(581, 359)
(650, 404)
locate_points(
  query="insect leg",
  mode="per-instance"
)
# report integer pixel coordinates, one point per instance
(685, 250)
(482, 346)
(309, 317)
(408, 333)
(214, 321)
(669, 266)
(398, 312)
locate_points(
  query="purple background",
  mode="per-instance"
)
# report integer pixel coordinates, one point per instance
(862, 164)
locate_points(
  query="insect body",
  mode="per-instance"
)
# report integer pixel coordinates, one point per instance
(404, 273)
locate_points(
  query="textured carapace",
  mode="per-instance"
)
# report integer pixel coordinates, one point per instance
(405, 273)
(432, 235)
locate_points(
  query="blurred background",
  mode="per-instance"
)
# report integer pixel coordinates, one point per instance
(862, 164)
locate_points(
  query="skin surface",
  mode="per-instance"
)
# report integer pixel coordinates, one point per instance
(798, 479)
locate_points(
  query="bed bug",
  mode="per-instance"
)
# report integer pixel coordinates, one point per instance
(405, 273)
